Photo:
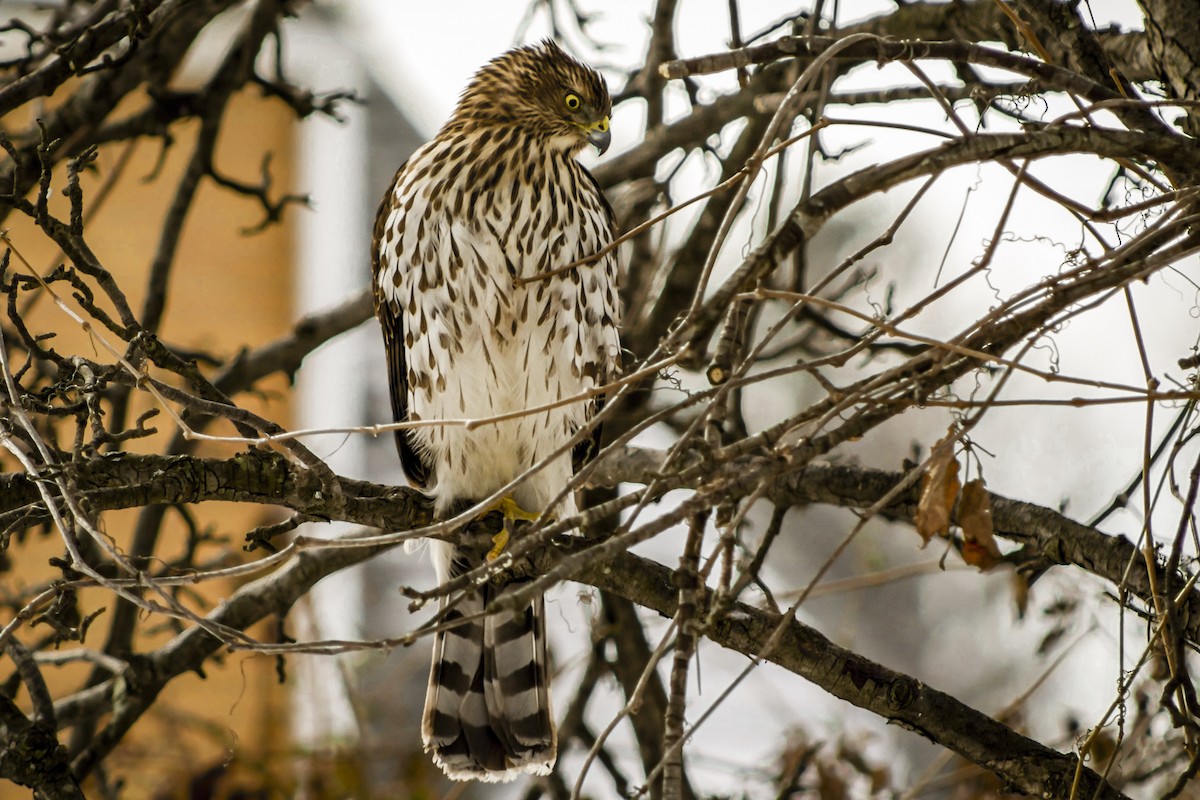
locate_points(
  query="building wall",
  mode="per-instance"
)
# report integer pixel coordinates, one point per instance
(227, 291)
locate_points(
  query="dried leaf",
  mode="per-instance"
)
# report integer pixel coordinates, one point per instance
(830, 785)
(881, 779)
(975, 519)
(939, 488)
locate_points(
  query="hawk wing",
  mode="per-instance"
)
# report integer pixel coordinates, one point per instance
(391, 320)
(587, 448)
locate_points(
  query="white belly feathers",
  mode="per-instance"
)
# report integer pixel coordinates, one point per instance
(479, 345)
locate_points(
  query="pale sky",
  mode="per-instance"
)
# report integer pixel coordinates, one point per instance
(433, 47)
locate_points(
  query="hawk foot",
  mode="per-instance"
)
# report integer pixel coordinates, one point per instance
(509, 509)
(501, 541)
(511, 512)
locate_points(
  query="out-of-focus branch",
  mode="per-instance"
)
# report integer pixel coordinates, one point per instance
(69, 125)
(687, 132)
(286, 353)
(235, 70)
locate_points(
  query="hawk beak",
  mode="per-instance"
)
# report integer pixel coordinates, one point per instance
(599, 135)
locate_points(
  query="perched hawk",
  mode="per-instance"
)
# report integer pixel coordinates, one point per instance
(496, 196)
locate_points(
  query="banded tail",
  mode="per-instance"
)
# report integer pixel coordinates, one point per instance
(487, 709)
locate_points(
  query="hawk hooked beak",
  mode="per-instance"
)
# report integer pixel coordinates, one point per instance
(599, 135)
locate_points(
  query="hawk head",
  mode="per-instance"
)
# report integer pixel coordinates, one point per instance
(545, 93)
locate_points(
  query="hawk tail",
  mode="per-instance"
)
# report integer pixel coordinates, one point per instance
(487, 708)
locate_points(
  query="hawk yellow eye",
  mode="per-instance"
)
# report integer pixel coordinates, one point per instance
(572, 101)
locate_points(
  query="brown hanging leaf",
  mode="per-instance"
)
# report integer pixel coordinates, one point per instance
(975, 518)
(939, 488)
(830, 785)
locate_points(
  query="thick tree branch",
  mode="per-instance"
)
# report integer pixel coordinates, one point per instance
(1173, 35)
(129, 481)
(1025, 764)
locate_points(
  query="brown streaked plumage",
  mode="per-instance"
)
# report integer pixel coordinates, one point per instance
(496, 196)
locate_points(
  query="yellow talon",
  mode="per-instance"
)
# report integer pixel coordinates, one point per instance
(509, 508)
(501, 540)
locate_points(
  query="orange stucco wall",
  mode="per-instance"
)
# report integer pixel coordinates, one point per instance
(227, 291)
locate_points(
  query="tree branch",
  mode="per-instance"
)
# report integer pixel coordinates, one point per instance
(260, 476)
(1023, 763)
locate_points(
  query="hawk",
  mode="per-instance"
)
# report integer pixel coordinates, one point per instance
(498, 196)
